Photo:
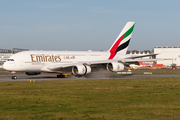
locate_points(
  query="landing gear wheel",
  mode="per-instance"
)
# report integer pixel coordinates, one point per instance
(14, 77)
(60, 76)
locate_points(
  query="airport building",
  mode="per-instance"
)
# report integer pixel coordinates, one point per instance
(140, 53)
(142, 63)
(171, 53)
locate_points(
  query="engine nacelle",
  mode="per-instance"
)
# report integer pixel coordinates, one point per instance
(32, 73)
(81, 69)
(115, 67)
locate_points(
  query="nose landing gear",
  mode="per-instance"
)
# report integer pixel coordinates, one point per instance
(14, 76)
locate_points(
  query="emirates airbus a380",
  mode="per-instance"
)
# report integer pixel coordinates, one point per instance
(78, 63)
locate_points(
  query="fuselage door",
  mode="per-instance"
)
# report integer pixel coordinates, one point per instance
(11, 62)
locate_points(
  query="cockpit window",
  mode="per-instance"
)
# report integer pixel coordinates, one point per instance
(10, 60)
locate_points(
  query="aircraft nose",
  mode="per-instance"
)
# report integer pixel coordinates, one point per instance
(5, 66)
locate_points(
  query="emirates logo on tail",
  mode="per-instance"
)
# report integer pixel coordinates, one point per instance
(122, 41)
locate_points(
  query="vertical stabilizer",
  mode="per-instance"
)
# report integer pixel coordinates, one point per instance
(122, 42)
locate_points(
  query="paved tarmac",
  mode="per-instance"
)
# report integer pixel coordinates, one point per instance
(45, 77)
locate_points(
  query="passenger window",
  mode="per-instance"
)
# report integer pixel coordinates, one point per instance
(10, 60)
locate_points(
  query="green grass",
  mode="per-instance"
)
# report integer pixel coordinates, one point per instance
(114, 99)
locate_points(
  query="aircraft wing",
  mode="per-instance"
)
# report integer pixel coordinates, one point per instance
(58, 67)
(126, 62)
(140, 56)
(67, 67)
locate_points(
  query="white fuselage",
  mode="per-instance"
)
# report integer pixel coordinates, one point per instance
(31, 61)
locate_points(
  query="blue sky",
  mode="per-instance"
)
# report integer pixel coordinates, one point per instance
(87, 24)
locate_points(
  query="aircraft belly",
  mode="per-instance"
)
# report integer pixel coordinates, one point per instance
(29, 67)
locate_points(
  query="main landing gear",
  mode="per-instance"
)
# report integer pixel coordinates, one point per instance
(14, 76)
(61, 76)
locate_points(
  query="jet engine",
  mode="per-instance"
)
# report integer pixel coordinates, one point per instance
(115, 67)
(81, 69)
(32, 73)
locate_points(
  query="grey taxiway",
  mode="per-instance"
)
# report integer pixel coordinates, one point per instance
(45, 77)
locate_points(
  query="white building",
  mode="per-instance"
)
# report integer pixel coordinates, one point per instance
(140, 53)
(172, 53)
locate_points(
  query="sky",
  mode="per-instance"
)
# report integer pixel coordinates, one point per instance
(81, 25)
